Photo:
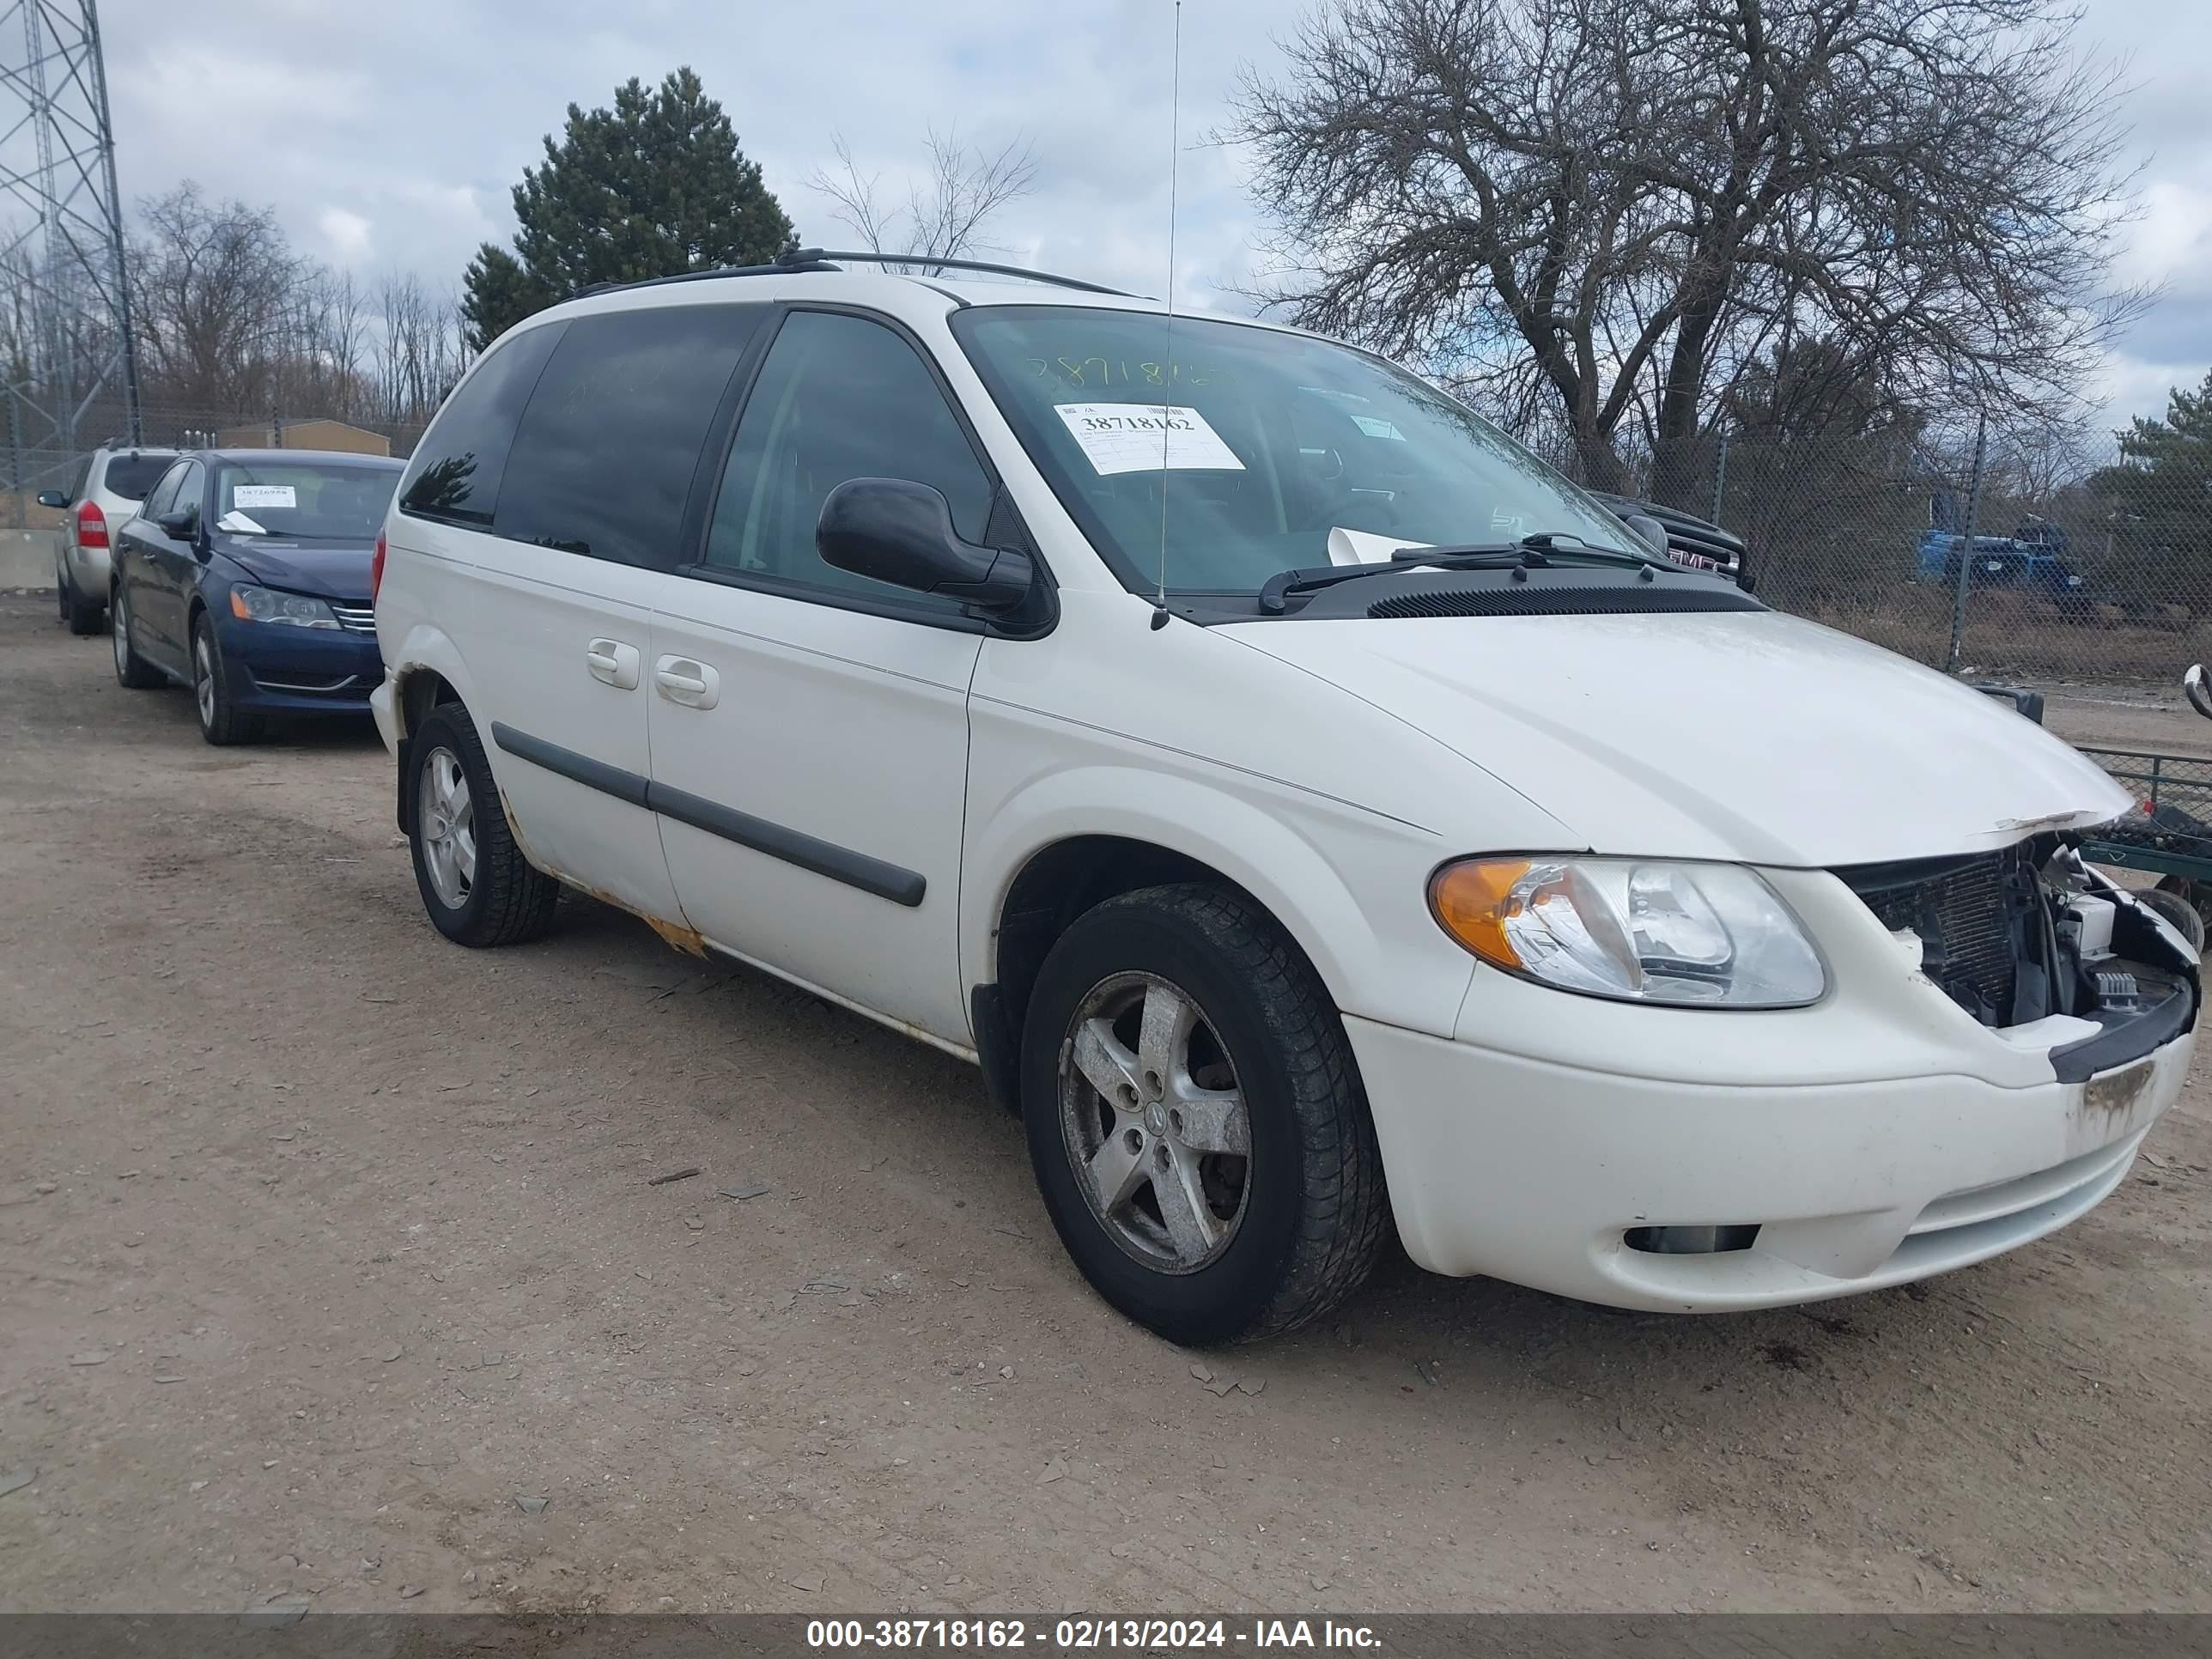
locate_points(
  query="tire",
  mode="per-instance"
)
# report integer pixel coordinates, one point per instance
(1304, 1221)
(2180, 894)
(479, 890)
(81, 613)
(130, 669)
(222, 722)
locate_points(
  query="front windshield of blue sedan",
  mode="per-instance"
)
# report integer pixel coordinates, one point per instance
(1281, 452)
(321, 500)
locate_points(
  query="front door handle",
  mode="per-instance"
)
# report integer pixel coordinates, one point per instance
(613, 663)
(685, 680)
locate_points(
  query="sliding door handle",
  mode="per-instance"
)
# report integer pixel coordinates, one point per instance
(685, 680)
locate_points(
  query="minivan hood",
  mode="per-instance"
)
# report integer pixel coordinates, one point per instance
(1744, 735)
(331, 570)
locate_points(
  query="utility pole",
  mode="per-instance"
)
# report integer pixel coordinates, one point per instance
(75, 365)
(1966, 547)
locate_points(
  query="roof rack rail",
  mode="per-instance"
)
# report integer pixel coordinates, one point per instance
(796, 260)
(815, 255)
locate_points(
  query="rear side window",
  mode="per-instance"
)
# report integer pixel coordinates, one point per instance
(455, 473)
(131, 474)
(603, 460)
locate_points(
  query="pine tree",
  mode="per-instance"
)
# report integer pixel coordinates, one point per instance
(654, 185)
(2160, 501)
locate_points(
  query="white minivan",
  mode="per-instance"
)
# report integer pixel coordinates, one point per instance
(1274, 778)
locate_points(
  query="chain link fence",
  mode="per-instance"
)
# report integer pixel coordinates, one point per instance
(2098, 573)
(28, 469)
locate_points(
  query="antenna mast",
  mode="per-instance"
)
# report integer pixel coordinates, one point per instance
(1174, 162)
(65, 328)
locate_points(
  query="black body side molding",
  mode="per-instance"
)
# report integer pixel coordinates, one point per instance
(871, 875)
(823, 857)
(582, 769)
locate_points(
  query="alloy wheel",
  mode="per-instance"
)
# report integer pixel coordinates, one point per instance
(448, 821)
(1155, 1122)
(204, 683)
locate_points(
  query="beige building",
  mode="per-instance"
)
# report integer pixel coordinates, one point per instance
(305, 435)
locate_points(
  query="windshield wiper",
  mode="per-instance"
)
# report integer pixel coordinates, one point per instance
(1551, 540)
(1474, 555)
(1538, 551)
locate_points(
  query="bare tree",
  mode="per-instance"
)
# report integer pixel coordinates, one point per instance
(946, 209)
(418, 350)
(1614, 207)
(214, 287)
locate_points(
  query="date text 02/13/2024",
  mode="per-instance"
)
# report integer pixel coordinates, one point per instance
(1077, 1635)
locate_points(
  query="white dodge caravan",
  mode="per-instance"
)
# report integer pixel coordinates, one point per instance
(1271, 776)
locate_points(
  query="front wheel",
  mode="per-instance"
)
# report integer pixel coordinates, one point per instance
(1196, 1121)
(475, 883)
(221, 721)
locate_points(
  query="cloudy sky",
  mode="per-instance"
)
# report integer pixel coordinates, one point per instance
(387, 135)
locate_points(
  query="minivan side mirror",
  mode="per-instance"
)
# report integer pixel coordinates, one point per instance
(896, 530)
(53, 498)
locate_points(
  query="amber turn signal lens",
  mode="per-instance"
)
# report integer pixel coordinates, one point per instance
(1472, 899)
(238, 607)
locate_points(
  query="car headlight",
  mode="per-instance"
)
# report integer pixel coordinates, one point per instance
(265, 604)
(1709, 935)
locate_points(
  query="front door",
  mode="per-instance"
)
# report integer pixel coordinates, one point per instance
(131, 547)
(173, 568)
(810, 726)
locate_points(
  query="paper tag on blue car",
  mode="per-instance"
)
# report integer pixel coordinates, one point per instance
(252, 495)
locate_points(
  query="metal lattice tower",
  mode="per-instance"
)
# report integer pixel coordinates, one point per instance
(65, 333)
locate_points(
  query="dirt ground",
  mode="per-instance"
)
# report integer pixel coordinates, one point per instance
(329, 1268)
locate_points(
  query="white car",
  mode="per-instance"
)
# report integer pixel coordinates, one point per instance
(101, 500)
(1276, 780)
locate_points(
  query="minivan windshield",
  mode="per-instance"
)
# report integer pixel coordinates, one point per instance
(1282, 452)
(324, 501)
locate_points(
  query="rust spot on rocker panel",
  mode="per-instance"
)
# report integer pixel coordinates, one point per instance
(686, 940)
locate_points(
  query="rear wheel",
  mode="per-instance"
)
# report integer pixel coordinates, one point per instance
(222, 722)
(1196, 1121)
(79, 609)
(475, 883)
(130, 669)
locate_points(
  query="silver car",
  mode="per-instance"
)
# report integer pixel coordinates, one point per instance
(106, 494)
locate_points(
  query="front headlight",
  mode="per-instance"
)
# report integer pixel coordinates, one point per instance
(1711, 935)
(265, 604)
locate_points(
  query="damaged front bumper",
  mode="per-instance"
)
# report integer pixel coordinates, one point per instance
(1690, 1160)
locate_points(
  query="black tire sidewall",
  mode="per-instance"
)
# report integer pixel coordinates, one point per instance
(225, 724)
(1222, 1300)
(131, 670)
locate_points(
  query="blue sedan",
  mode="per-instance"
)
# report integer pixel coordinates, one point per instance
(246, 576)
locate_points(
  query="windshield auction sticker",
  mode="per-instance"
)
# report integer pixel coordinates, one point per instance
(1145, 437)
(265, 495)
